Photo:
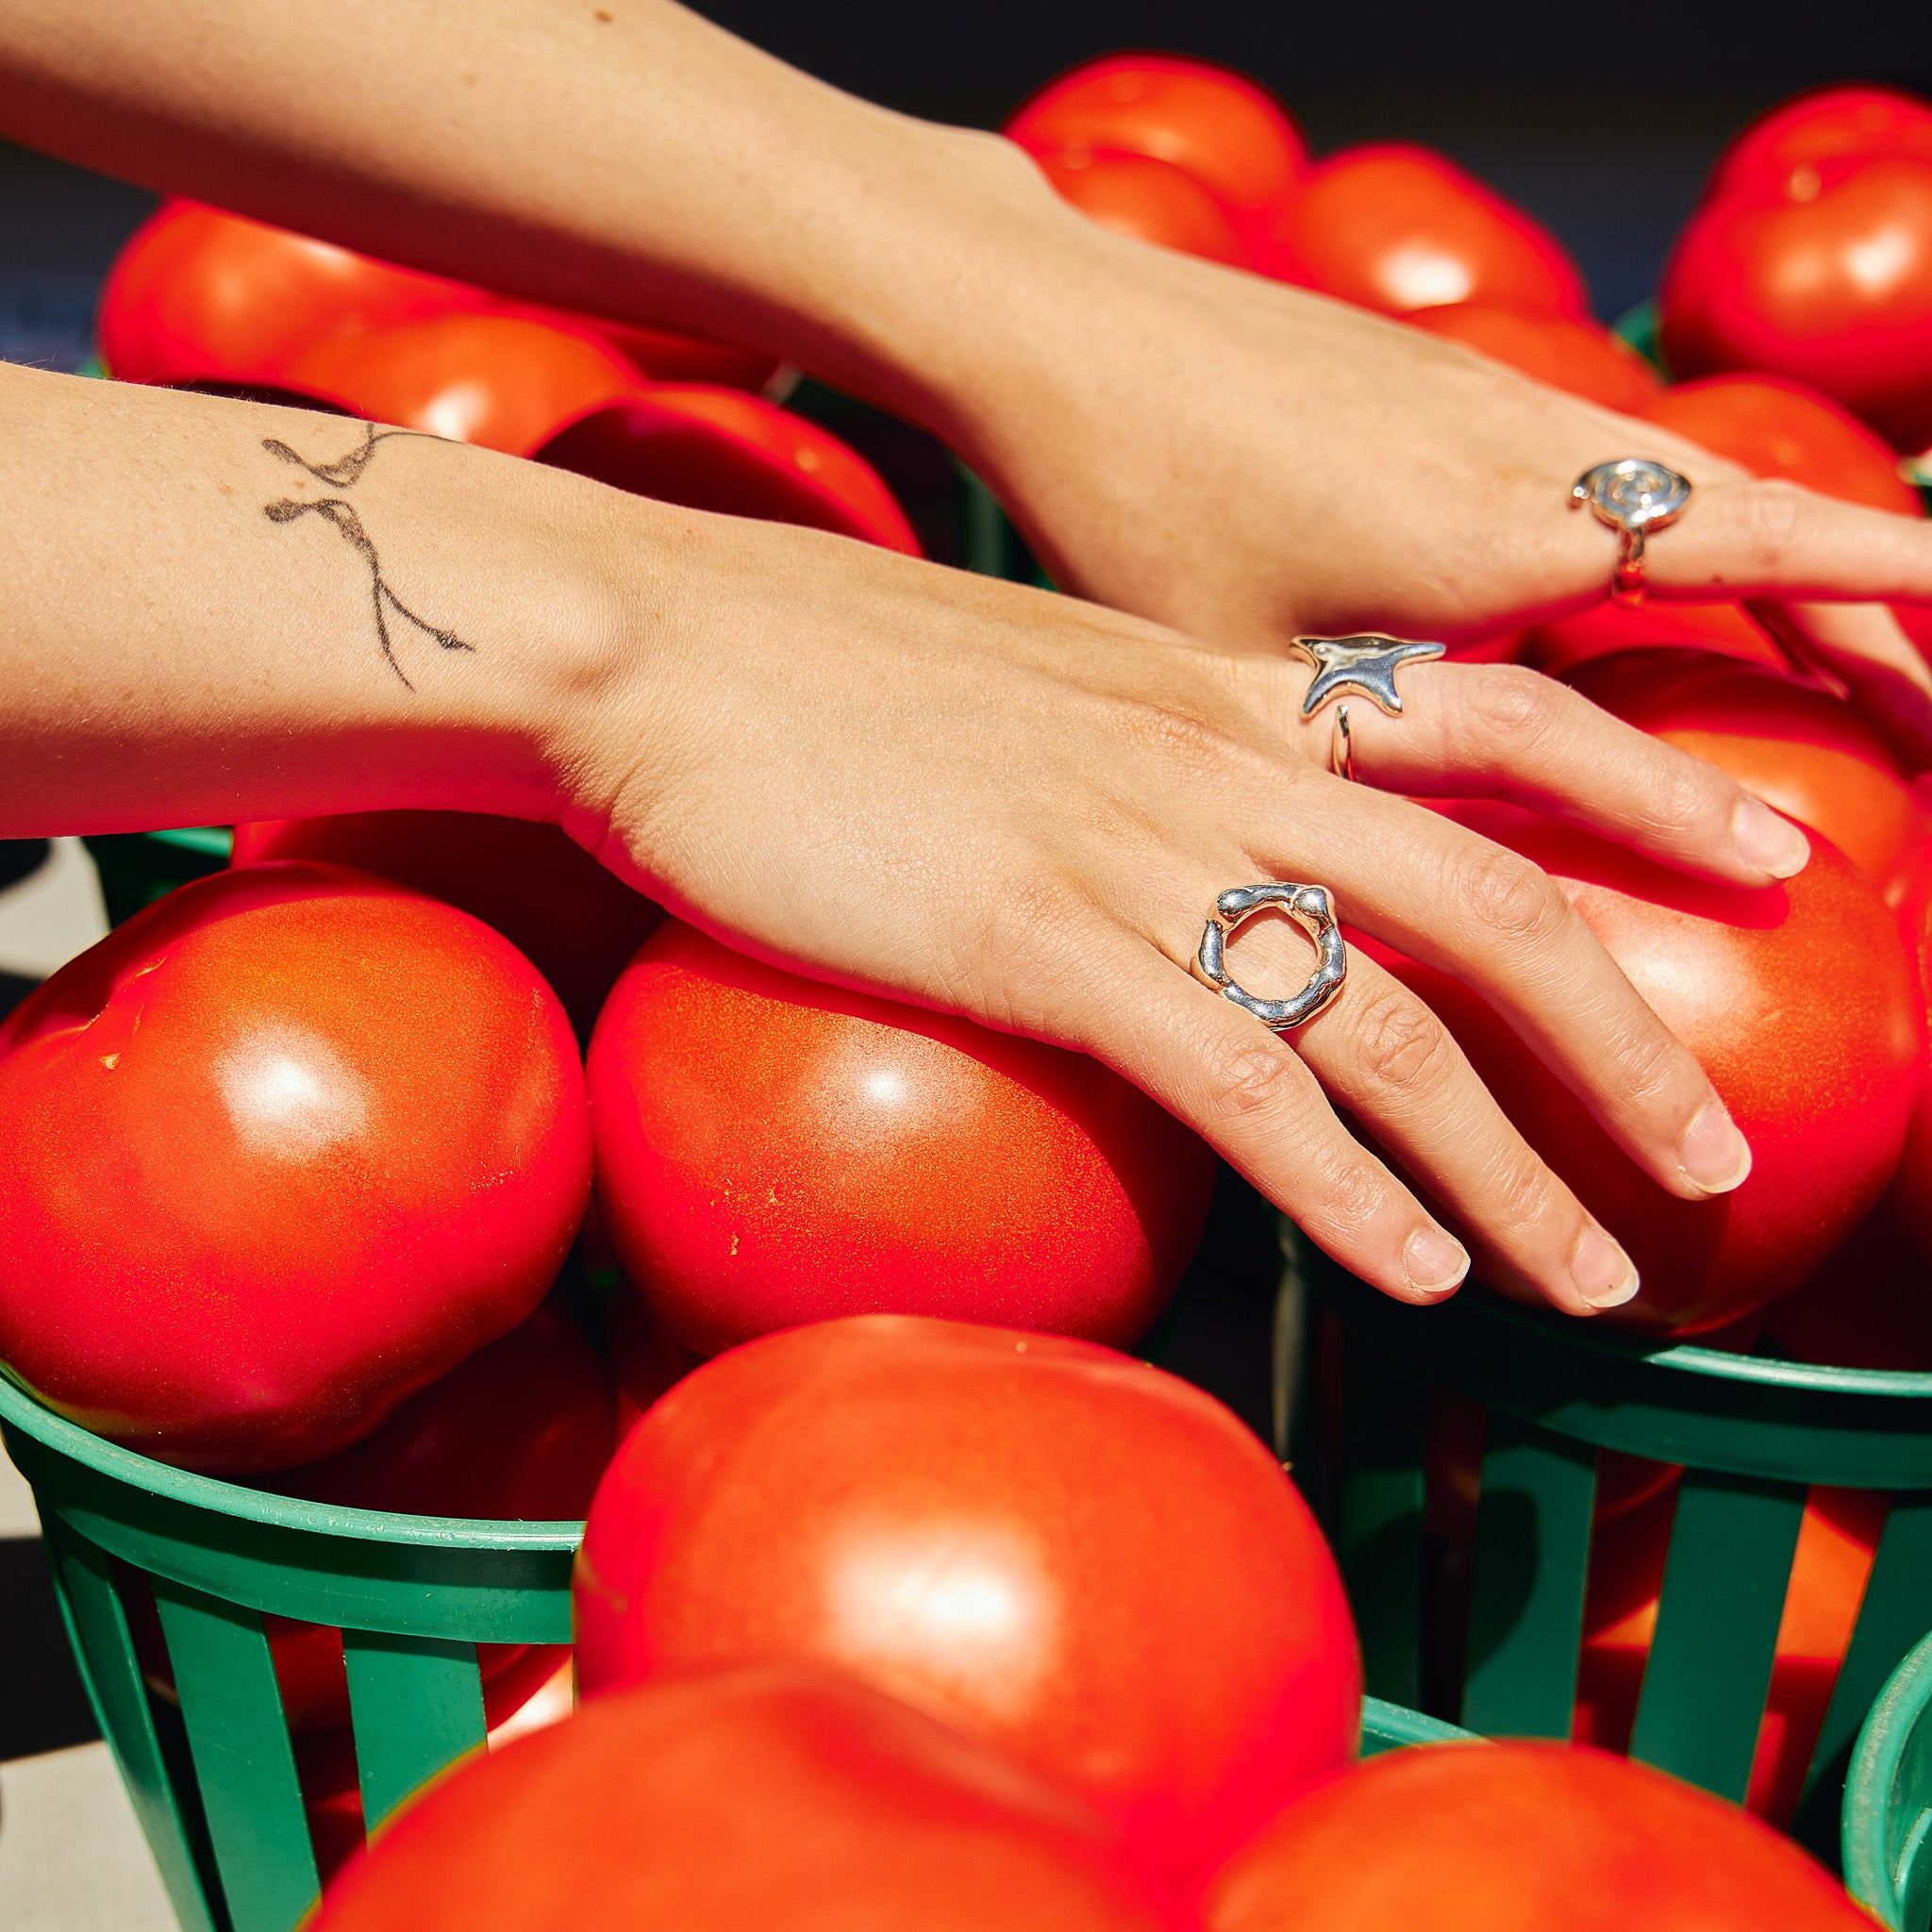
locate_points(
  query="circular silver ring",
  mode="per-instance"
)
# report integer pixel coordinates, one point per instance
(1632, 496)
(1313, 910)
(1341, 748)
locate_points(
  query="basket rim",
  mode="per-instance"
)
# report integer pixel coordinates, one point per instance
(1871, 1779)
(1486, 1305)
(25, 1412)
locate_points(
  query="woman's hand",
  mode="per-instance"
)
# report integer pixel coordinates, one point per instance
(1245, 460)
(1021, 807)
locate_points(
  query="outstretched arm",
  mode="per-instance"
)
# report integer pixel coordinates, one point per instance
(1201, 447)
(971, 794)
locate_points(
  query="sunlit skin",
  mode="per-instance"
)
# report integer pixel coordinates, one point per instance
(964, 795)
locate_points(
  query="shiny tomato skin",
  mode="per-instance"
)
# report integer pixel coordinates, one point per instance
(1232, 136)
(1800, 1003)
(1834, 291)
(1153, 200)
(1066, 1553)
(1520, 1837)
(788, 1801)
(572, 918)
(277, 1153)
(202, 296)
(199, 295)
(1560, 644)
(646, 1358)
(1819, 131)
(1399, 228)
(1777, 428)
(772, 1149)
(1797, 748)
(1909, 1199)
(717, 449)
(1567, 351)
(1870, 1307)
(506, 382)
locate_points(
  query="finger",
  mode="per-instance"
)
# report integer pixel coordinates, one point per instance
(1252, 1098)
(1502, 731)
(1379, 1050)
(1454, 900)
(1863, 646)
(1763, 536)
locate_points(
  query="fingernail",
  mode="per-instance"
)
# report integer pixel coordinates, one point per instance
(1434, 1261)
(1771, 843)
(1604, 1273)
(1715, 1156)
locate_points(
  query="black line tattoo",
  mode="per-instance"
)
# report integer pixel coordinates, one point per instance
(343, 474)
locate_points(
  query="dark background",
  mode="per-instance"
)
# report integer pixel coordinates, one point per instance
(1600, 119)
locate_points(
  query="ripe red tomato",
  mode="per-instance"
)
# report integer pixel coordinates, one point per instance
(1153, 200)
(1560, 644)
(1231, 136)
(1520, 1837)
(1400, 228)
(504, 381)
(198, 295)
(717, 449)
(1798, 1000)
(1797, 748)
(1816, 131)
(1909, 1199)
(1837, 1541)
(274, 1155)
(1870, 1307)
(573, 919)
(772, 1149)
(1567, 351)
(757, 1798)
(1064, 1552)
(646, 1359)
(1781, 428)
(1833, 288)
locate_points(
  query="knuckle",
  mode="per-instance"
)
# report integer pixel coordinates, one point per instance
(1257, 1082)
(1652, 1065)
(1403, 1048)
(1773, 516)
(1523, 1194)
(1512, 706)
(1514, 899)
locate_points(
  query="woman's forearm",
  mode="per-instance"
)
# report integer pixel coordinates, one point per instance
(627, 157)
(212, 608)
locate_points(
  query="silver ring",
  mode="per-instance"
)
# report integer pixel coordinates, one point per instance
(1632, 496)
(1341, 748)
(1313, 910)
(1366, 662)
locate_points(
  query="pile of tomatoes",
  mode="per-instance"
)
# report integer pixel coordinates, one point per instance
(907, 1596)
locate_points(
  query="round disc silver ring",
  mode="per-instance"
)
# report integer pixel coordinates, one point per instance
(1313, 910)
(1632, 496)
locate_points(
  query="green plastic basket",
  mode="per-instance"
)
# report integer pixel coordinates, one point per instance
(1753, 1434)
(215, 1785)
(1888, 1809)
(138, 868)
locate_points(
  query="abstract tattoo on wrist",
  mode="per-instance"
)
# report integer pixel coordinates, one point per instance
(343, 475)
